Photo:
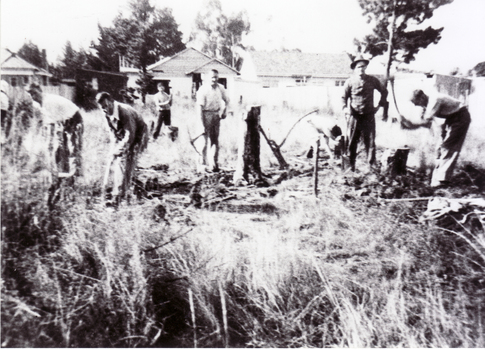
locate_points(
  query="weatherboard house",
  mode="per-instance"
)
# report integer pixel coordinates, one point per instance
(18, 72)
(184, 72)
(294, 68)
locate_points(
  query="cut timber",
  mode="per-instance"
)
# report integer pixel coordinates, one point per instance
(275, 149)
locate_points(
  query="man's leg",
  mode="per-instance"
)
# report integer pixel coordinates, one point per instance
(117, 168)
(353, 141)
(215, 123)
(369, 135)
(453, 138)
(159, 125)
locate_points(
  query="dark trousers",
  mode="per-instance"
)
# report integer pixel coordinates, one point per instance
(164, 117)
(362, 125)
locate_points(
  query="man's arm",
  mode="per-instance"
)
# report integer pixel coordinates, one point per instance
(225, 98)
(383, 91)
(346, 96)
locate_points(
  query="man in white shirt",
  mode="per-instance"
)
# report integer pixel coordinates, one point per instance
(164, 102)
(212, 100)
(453, 132)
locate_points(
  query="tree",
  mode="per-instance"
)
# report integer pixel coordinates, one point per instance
(479, 69)
(391, 32)
(31, 53)
(219, 33)
(146, 35)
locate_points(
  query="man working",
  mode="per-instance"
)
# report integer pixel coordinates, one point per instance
(453, 131)
(359, 89)
(163, 100)
(331, 132)
(130, 138)
(212, 100)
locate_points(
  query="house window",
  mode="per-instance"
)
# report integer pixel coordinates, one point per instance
(44, 80)
(301, 81)
(26, 80)
(13, 81)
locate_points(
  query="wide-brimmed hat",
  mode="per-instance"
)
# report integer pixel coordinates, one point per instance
(358, 59)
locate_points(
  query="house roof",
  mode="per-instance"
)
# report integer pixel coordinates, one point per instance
(13, 64)
(294, 63)
(187, 62)
(214, 64)
(181, 62)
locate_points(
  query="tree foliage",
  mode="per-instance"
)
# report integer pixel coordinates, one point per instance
(218, 32)
(399, 16)
(148, 34)
(32, 54)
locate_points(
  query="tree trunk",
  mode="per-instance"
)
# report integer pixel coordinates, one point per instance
(315, 169)
(390, 51)
(249, 149)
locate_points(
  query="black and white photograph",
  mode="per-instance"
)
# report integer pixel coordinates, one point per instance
(242, 174)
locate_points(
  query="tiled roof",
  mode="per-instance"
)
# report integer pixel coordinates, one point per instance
(188, 61)
(214, 64)
(293, 63)
(181, 63)
(12, 62)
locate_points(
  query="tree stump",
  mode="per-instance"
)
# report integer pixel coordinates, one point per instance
(394, 161)
(249, 148)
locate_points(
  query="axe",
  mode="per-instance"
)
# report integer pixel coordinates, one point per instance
(192, 140)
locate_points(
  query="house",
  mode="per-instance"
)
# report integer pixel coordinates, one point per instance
(18, 72)
(294, 68)
(184, 72)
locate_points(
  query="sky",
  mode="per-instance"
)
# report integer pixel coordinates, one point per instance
(310, 25)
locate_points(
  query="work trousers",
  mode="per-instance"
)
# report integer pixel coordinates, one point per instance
(122, 168)
(212, 122)
(164, 118)
(362, 125)
(453, 135)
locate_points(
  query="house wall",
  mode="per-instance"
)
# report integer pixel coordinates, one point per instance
(274, 81)
(24, 78)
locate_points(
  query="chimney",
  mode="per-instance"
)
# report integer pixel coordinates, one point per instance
(44, 60)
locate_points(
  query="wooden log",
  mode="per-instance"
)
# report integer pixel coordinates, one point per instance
(275, 149)
(315, 168)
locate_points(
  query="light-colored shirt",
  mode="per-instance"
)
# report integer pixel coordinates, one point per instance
(164, 100)
(212, 99)
(441, 106)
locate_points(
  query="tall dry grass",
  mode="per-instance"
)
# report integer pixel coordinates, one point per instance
(317, 272)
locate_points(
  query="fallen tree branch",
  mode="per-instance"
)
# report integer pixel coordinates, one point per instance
(164, 244)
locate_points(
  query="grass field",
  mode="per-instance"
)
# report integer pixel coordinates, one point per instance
(339, 270)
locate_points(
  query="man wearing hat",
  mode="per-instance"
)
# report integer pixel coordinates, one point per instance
(130, 138)
(358, 106)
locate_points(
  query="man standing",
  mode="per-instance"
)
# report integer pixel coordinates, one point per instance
(130, 138)
(213, 101)
(359, 89)
(453, 131)
(164, 102)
